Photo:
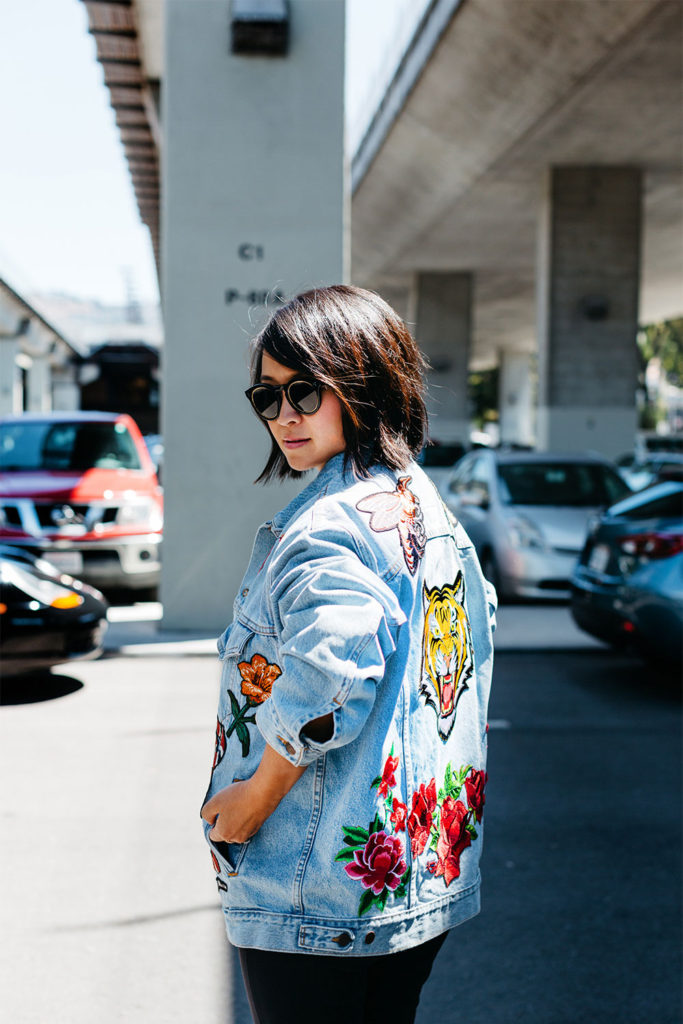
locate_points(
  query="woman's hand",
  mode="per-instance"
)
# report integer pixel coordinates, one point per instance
(238, 811)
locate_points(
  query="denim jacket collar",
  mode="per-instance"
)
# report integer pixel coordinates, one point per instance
(333, 468)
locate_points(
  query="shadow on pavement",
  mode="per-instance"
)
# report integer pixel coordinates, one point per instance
(34, 687)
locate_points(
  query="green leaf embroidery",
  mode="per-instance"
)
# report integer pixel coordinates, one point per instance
(376, 825)
(244, 737)
(472, 831)
(358, 836)
(375, 782)
(381, 900)
(234, 706)
(366, 901)
(345, 855)
(401, 892)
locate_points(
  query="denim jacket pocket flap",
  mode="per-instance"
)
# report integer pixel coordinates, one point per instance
(234, 640)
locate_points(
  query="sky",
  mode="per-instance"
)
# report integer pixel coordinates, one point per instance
(68, 218)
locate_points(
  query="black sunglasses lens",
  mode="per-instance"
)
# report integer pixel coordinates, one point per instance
(304, 396)
(266, 402)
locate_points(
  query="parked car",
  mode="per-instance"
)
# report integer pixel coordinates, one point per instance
(46, 618)
(641, 471)
(80, 488)
(627, 588)
(526, 513)
(437, 459)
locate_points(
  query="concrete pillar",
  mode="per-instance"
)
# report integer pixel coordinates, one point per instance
(515, 398)
(9, 376)
(588, 283)
(39, 385)
(443, 327)
(254, 209)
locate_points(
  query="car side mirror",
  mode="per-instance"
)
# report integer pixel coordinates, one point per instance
(477, 499)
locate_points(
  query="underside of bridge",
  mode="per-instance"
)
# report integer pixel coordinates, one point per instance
(513, 89)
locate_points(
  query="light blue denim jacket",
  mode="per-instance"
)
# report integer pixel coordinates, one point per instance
(362, 598)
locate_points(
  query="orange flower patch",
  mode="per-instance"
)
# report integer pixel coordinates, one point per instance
(258, 678)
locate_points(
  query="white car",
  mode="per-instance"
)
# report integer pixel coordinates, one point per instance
(527, 514)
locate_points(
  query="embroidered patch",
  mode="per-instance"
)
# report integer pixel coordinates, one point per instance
(221, 744)
(222, 887)
(446, 651)
(375, 856)
(452, 828)
(258, 677)
(398, 510)
(439, 822)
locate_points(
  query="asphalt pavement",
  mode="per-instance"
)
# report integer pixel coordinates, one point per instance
(107, 898)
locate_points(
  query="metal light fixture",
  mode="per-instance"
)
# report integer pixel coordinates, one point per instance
(259, 27)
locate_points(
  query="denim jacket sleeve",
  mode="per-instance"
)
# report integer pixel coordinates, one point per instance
(337, 622)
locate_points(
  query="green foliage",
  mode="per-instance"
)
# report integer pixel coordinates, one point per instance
(663, 341)
(483, 395)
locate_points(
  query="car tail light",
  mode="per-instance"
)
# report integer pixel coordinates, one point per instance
(651, 546)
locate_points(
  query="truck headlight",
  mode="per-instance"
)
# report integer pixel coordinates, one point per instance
(143, 512)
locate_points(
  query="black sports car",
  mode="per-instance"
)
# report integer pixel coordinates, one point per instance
(46, 618)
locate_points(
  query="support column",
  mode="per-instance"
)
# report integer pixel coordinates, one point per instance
(443, 317)
(254, 209)
(9, 349)
(588, 283)
(515, 399)
(39, 391)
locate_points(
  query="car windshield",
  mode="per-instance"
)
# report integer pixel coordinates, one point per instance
(66, 446)
(567, 484)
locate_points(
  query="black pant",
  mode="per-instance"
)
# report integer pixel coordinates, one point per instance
(301, 988)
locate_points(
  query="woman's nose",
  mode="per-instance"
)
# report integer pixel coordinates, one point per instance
(288, 413)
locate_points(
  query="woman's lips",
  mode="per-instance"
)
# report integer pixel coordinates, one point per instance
(296, 443)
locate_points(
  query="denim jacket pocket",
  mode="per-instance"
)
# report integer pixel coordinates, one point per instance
(233, 641)
(230, 854)
(227, 857)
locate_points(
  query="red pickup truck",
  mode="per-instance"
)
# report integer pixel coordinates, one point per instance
(80, 489)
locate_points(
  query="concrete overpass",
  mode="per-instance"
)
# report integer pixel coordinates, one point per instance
(460, 181)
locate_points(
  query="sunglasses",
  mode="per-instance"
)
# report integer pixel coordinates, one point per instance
(303, 395)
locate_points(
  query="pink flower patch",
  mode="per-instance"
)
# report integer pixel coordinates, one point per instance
(380, 864)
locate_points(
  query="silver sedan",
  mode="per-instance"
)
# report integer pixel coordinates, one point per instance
(527, 514)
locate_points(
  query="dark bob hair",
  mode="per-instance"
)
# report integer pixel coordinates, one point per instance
(354, 343)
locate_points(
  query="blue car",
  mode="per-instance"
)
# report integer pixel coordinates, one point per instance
(627, 588)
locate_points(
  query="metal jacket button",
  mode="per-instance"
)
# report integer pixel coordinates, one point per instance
(343, 940)
(370, 937)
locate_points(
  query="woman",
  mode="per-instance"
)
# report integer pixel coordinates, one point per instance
(346, 798)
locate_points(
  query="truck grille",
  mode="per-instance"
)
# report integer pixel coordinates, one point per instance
(36, 518)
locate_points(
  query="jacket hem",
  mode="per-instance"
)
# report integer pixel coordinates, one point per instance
(367, 936)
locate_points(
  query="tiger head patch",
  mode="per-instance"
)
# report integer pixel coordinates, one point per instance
(446, 651)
